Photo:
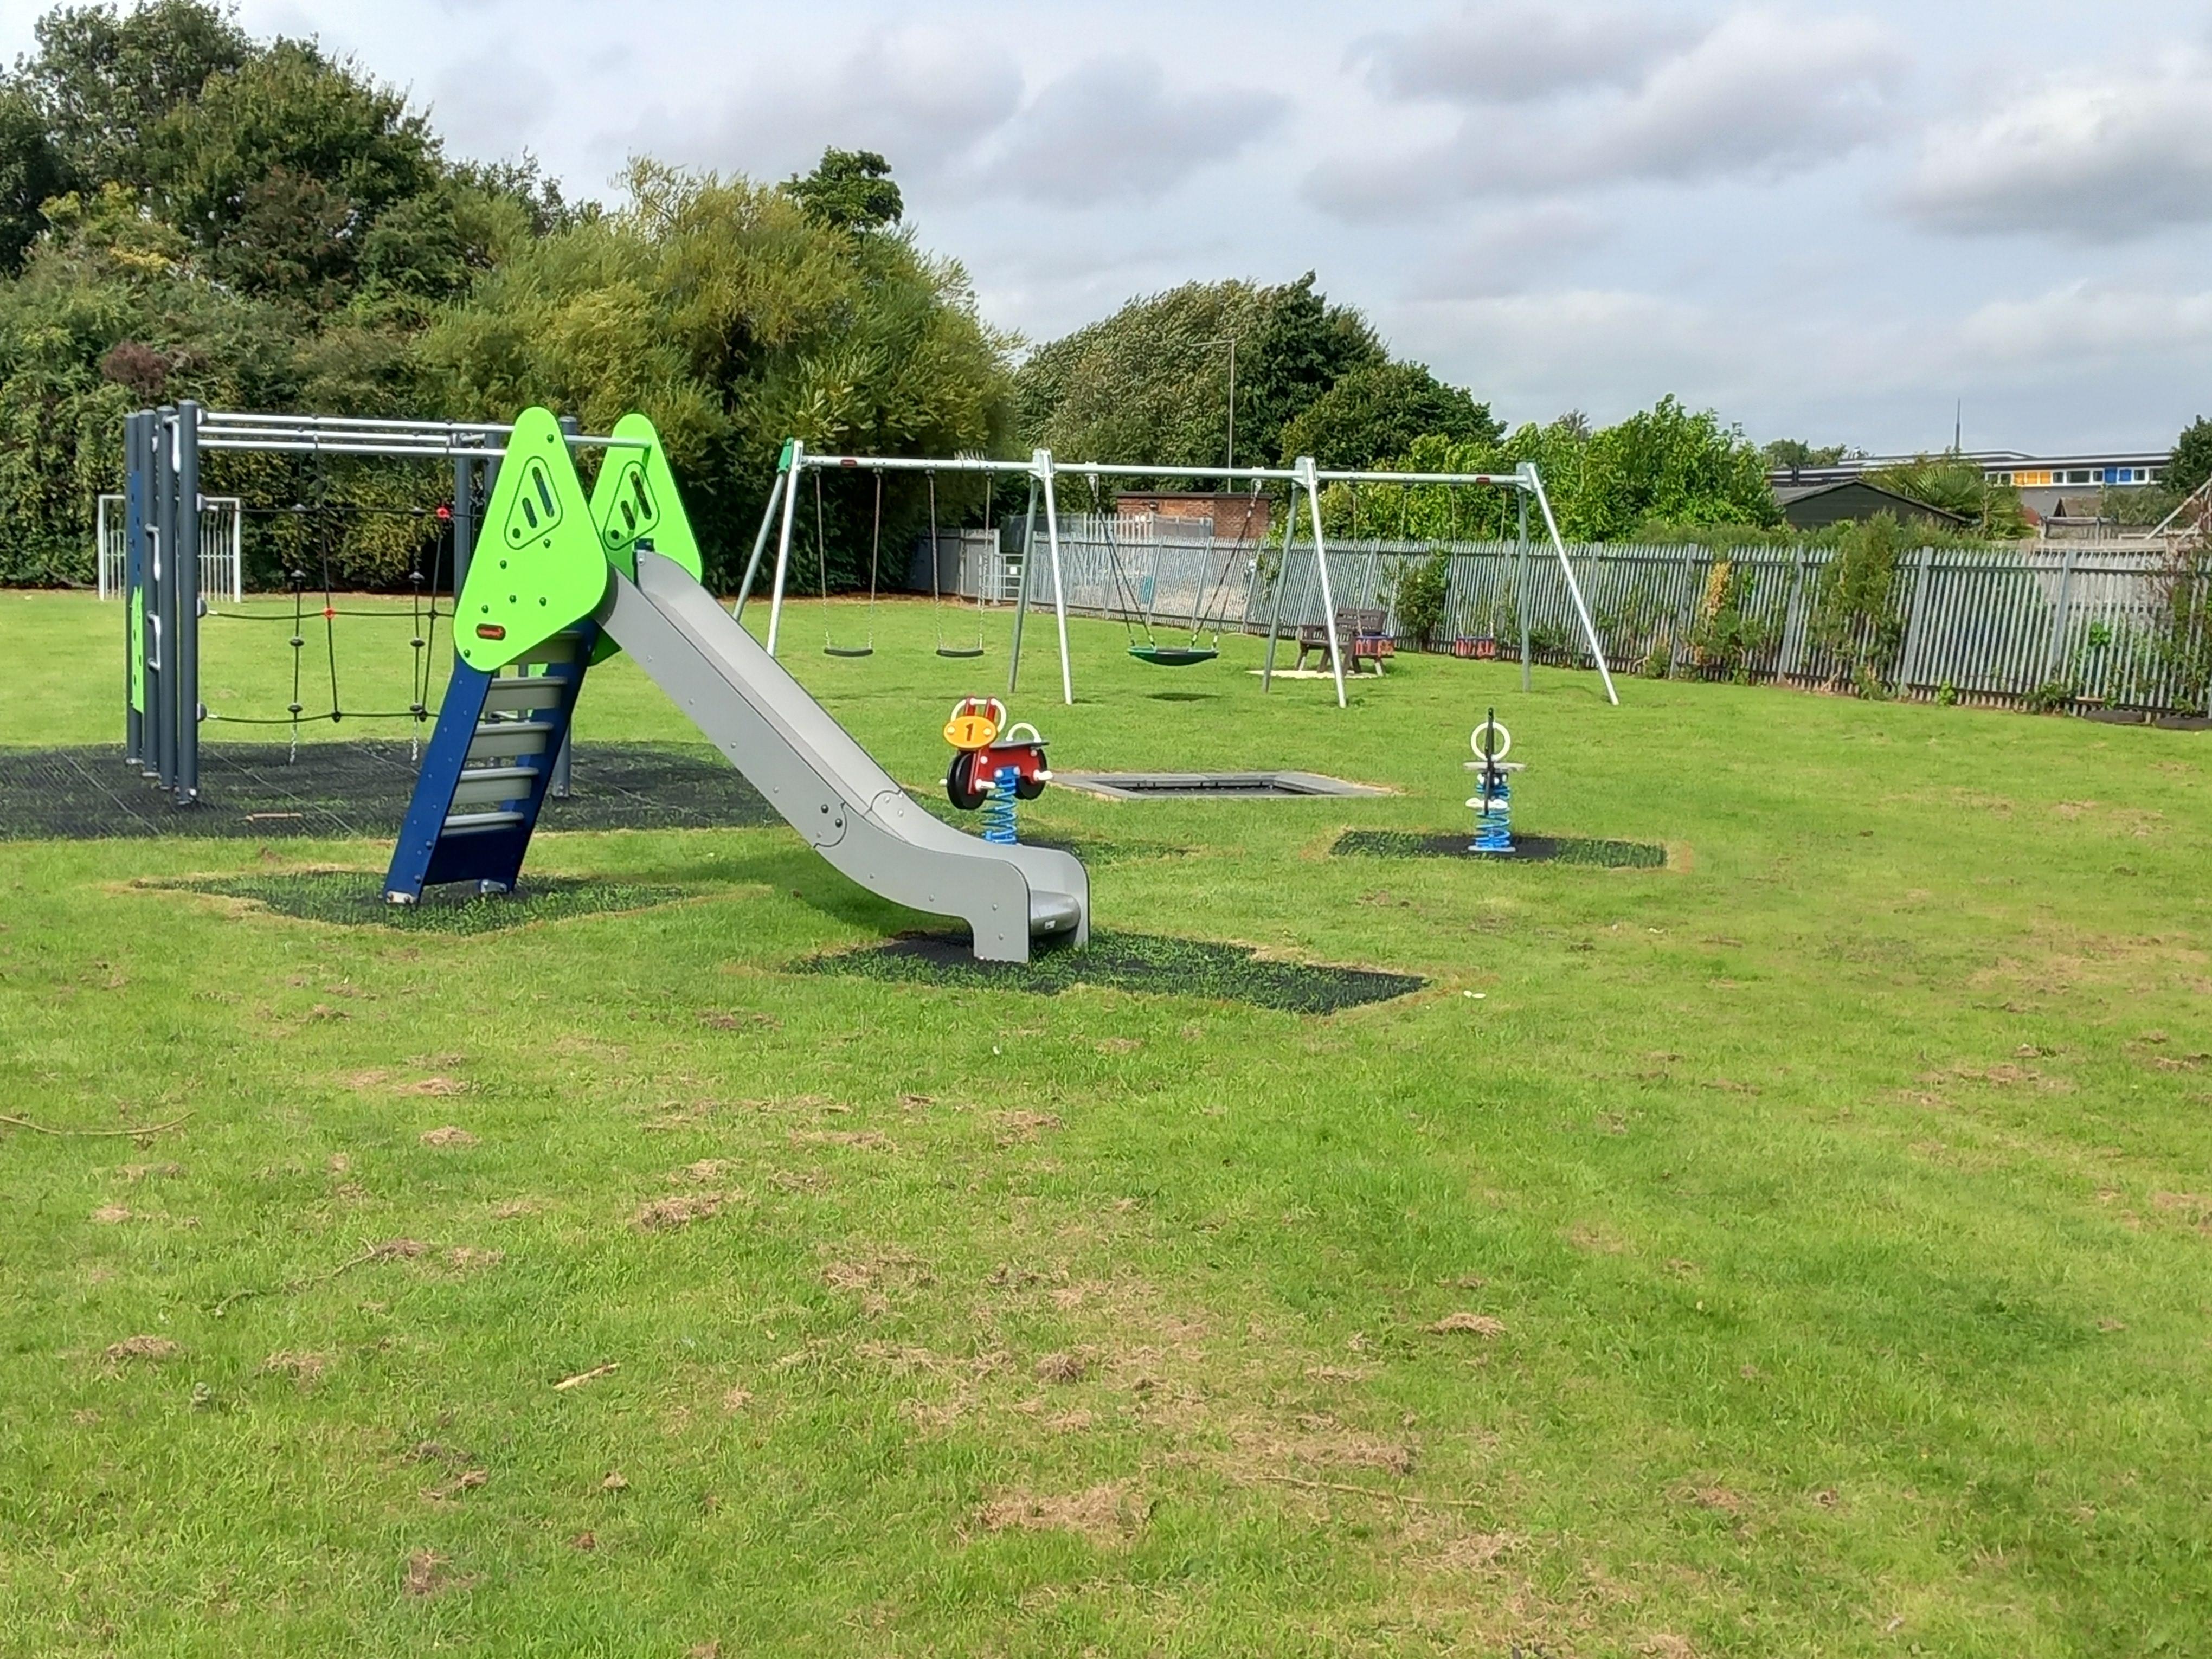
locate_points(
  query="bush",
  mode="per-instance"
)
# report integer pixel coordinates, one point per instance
(1422, 590)
(1855, 608)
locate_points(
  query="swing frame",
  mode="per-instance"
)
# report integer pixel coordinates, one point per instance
(1305, 479)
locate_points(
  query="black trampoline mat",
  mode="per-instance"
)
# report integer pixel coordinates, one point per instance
(1527, 849)
(349, 791)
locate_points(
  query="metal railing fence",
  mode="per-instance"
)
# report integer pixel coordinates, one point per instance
(2046, 625)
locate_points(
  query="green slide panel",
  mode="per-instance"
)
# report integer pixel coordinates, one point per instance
(636, 500)
(539, 567)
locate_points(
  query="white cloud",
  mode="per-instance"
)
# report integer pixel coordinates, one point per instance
(1606, 350)
(1504, 52)
(2084, 319)
(2087, 156)
(1759, 95)
(964, 120)
(924, 97)
(1503, 253)
(1113, 130)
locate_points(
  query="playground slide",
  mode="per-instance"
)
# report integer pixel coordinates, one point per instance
(827, 787)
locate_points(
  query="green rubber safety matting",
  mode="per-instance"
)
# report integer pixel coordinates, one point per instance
(355, 898)
(1527, 849)
(1128, 962)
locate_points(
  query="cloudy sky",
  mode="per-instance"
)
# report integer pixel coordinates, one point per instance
(1827, 221)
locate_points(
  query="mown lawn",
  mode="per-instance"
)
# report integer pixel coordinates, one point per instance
(1805, 1247)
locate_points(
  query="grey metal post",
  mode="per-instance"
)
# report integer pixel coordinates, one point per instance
(464, 523)
(188, 602)
(797, 449)
(1328, 594)
(165, 602)
(1022, 588)
(134, 587)
(760, 541)
(1521, 583)
(1043, 461)
(1282, 580)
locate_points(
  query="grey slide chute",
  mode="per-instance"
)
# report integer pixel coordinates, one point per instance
(827, 787)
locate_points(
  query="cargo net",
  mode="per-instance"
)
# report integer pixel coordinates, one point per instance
(348, 792)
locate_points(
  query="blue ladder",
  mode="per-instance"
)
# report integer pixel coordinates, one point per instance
(485, 775)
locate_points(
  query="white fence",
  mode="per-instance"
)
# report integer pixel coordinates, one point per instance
(222, 546)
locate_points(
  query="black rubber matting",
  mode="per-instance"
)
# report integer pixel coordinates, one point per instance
(1527, 849)
(1128, 962)
(355, 898)
(349, 791)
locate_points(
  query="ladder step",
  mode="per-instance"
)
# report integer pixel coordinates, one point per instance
(526, 691)
(504, 739)
(470, 824)
(481, 786)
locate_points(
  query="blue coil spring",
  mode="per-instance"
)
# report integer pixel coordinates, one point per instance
(999, 808)
(1494, 820)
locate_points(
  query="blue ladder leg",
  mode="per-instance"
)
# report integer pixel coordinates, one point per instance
(485, 773)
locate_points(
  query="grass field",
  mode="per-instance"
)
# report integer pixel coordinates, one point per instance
(1802, 1248)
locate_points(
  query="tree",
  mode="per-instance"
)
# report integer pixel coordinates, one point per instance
(735, 320)
(1304, 345)
(1669, 465)
(1795, 451)
(1152, 381)
(105, 81)
(31, 172)
(1375, 413)
(281, 168)
(2191, 464)
(849, 190)
(1960, 487)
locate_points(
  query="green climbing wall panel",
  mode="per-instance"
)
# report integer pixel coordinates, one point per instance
(538, 566)
(634, 500)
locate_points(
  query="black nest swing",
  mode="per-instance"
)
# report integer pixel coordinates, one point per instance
(1150, 649)
(1173, 656)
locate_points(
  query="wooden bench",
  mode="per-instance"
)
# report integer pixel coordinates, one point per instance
(1359, 638)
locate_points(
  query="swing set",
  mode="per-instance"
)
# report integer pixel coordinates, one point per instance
(1304, 480)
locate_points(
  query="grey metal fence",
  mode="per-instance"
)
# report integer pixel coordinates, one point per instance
(2039, 625)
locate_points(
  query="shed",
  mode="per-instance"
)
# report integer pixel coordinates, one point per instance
(1232, 515)
(1853, 501)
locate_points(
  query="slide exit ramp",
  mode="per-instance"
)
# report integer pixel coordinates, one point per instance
(827, 787)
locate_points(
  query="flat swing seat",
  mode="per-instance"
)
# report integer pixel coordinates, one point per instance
(848, 650)
(1173, 656)
(958, 651)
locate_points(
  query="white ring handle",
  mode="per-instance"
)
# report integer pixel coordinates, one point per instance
(1504, 746)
